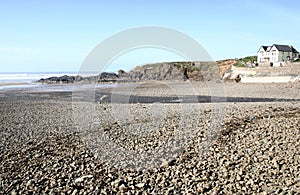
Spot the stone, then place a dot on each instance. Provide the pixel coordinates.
(140, 185)
(13, 192)
(123, 188)
(164, 164)
(81, 179)
(61, 162)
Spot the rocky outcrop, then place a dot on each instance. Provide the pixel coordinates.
(103, 77)
(108, 76)
(160, 71)
(62, 79)
(200, 71)
(195, 71)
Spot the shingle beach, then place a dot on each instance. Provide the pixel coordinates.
(167, 139)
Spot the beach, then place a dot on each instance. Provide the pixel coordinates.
(151, 138)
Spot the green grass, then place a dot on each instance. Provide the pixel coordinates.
(242, 62)
(189, 65)
(239, 64)
(249, 58)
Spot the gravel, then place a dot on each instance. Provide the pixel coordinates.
(253, 148)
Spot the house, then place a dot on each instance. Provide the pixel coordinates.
(276, 54)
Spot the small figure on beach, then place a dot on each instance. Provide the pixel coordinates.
(185, 74)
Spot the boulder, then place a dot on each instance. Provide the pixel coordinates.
(108, 76)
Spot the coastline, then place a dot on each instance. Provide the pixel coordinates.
(25, 79)
(12, 83)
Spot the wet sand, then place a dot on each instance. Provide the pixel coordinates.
(15, 83)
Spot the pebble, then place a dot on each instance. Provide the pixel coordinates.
(243, 159)
(140, 185)
(164, 164)
(122, 188)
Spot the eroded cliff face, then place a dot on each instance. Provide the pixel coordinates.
(196, 71)
(159, 71)
(225, 65)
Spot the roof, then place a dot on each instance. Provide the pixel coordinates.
(294, 50)
(265, 47)
(284, 48)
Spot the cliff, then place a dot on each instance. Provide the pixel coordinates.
(195, 71)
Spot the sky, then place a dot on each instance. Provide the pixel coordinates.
(57, 36)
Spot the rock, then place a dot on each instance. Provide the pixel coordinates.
(103, 77)
(62, 79)
(164, 164)
(56, 79)
(78, 78)
(75, 192)
(255, 157)
(123, 188)
(106, 76)
(172, 162)
(140, 185)
(251, 118)
(158, 71)
(81, 179)
(121, 72)
(29, 183)
(13, 192)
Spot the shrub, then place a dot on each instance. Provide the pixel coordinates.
(239, 64)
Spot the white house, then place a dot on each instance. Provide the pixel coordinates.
(276, 54)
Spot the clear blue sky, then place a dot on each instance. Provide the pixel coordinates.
(41, 36)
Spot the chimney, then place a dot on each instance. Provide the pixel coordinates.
(291, 46)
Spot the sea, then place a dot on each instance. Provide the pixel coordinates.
(28, 81)
(25, 79)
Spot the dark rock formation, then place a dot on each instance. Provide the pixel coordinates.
(103, 77)
(108, 76)
(62, 79)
